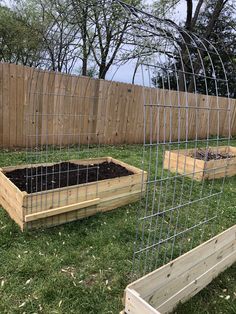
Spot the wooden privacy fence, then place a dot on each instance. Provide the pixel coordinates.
(39, 107)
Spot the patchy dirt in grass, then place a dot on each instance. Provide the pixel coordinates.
(64, 174)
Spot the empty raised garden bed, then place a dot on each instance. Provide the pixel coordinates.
(161, 291)
(53, 200)
(199, 164)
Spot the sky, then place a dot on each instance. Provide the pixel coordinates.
(125, 73)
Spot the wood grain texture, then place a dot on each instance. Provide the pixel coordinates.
(54, 108)
(58, 206)
(12, 199)
(61, 210)
(181, 162)
(185, 276)
(136, 305)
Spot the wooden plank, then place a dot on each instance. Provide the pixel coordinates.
(104, 205)
(20, 99)
(233, 118)
(60, 210)
(185, 165)
(13, 106)
(26, 107)
(12, 199)
(179, 163)
(11, 210)
(185, 276)
(134, 304)
(6, 106)
(182, 157)
(198, 284)
(7, 185)
(119, 200)
(176, 284)
(62, 218)
(74, 194)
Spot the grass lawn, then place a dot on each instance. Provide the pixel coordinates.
(84, 267)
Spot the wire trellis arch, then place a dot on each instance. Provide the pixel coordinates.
(182, 79)
(191, 66)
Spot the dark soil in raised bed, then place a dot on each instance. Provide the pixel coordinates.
(64, 174)
(208, 155)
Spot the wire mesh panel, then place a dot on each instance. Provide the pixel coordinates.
(186, 139)
(185, 114)
(64, 174)
(62, 127)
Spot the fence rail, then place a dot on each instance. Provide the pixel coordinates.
(54, 108)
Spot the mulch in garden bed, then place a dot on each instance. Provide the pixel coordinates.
(37, 179)
(208, 155)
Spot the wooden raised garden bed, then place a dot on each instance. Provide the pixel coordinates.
(55, 206)
(162, 290)
(202, 164)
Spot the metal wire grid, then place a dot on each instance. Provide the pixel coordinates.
(53, 102)
(176, 212)
(56, 133)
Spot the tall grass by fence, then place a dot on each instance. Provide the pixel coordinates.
(55, 108)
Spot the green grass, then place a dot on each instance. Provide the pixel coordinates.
(84, 267)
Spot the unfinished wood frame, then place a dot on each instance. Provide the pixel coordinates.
(180, 161)
(162, 290)
(36, 210)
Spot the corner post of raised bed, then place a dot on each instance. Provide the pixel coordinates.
(135, 304)
(25, 200)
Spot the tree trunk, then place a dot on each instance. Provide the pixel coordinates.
(135, 71)
(103, 68)
(217, 10)
(102, 72)
(85, 59)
